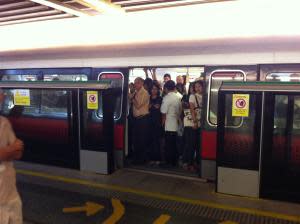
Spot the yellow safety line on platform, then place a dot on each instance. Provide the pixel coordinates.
(163, 219)
(250, 211)
(119, 211)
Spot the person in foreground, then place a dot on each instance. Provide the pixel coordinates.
(11, 149)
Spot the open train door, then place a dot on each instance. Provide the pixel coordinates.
(214, 76)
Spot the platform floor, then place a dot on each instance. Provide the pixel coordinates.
(62, 196)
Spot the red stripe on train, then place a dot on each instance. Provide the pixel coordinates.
(209, 144)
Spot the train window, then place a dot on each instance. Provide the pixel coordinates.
(215, 81)
(281, 102)
(9, 109)
(19, 78)
(117, 81)
(283, 77)
(62, 77)
(296, 120)
(190, 73)
(54, 103)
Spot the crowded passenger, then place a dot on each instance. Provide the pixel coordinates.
(171, 109)
(166, 126)
(140, 109)
(148, 85)
(130, 121)
(192, 124)
(155, 124)
(180, 86)
(188, 128)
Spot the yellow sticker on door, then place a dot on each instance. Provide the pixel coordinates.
(22, 97)
(92, 100)
(240, 105)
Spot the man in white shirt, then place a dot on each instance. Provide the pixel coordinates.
(171, 109)
(11, 148)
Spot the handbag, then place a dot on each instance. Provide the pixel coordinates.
(198, 111)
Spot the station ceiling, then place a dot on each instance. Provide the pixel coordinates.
(25, 11)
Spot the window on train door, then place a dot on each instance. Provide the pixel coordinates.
(117, 81)
(215, 80)
(54, 102)
(19, 78)
(283, 77)
(65, 77)
(8, 107)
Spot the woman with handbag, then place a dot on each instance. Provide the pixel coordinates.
(193, 130)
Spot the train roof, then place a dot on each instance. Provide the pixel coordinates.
(87, 85)
(260, 86)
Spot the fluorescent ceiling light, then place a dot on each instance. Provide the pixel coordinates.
(158, 5)
(101, 6)
(61, 7)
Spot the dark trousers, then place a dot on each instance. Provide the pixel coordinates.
(192, 146)
(141, 138)
(170, 148)
(155, 142)
(130, 136)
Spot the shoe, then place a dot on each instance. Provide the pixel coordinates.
(185, 166)
(192, 169)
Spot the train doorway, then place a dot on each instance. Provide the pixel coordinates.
(154, 79)
(281, 155)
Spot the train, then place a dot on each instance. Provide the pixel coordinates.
(214, 62)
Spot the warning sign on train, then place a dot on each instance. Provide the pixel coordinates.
(240, 105)
(22, 97)
(92, 100)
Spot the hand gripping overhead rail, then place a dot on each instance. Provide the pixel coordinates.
(94, 152)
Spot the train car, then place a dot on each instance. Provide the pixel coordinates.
(212, 62)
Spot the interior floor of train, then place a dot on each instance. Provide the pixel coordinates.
(59, 195)
(162, 168)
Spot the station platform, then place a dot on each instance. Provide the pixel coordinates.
(62, 196)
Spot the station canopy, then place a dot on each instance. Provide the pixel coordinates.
(24, 11)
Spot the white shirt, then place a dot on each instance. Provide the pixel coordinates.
(8, 190)
(171, 106)
(178, 94)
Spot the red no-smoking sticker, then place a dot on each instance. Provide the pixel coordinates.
(240, 105)
(92, 100)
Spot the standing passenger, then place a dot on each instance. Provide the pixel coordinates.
(180, 86)
(167, 77)
(130, 122)
(11, 148)
(140, 110)
(155, 123)
(148, 85)
(171, 108)
(188, 133)
(195, 101)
